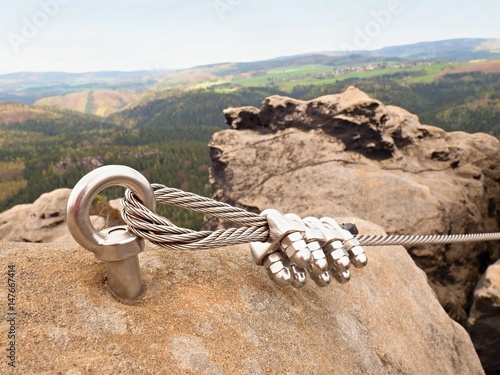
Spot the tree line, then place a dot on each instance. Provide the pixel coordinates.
(166, 138)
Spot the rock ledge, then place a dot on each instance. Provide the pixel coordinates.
(215, 312)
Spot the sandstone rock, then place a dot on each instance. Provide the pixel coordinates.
(347, 154)
(42, 221)
(352, 117)
(242, 118)
(11, 221)
(115, 204)
(86, 163)
(484, 319)
(215, 312)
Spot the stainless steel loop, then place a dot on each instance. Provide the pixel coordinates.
(78, 220)
(116, 246)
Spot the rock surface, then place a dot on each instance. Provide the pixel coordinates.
(347, 154)
(42, 221)
(215, 312)
(484, 319)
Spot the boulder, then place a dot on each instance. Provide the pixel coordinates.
(347, 154)
(484, 319)
(215, 312)
(352, 117)
(42, 221)
(242, 118)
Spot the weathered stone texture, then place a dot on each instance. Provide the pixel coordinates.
(42, 221)
(215, 312)
(484, 320)
(347, 154)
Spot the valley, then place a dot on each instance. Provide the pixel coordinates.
(55, 127)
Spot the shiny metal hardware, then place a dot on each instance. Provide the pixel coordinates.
(286, 255)
(116, 246)
(290, 236)
(356, 253)
(322, 280)
(278, 267)
(318, 269)
(341, 277)
(299, 276)
(331, 242)
(298, 246)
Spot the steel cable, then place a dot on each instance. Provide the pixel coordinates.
(402, 239)
(147, 224)
(253, 228)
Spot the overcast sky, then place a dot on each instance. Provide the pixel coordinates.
(92, 35)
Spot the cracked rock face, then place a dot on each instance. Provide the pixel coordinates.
(350, 155)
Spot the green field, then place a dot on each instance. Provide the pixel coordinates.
(432, 71)
(289, 77)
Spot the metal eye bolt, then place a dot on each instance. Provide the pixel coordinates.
(116, 246)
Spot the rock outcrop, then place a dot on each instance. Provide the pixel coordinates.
(42, 221)
(484, 319)
(350, 155)
(215, 312)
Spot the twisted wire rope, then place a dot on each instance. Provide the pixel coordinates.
(402, 239)
(253, 228)
(149, 225)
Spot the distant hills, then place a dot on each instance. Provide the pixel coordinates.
(446, 50)
(98, 102)
(28, 87)
(129, 94)
(54, 87)
(160, 122)
(15, 112)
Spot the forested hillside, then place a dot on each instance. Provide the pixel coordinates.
(165, 133)
(466, 101)
(462, 101)
(34, 162)
(96, 102)
(197, 107)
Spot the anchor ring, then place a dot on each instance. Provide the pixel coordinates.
(123, 244)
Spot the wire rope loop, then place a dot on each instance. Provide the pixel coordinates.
(147, 224)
